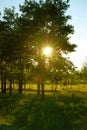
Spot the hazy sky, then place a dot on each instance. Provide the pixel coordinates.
(78, 11)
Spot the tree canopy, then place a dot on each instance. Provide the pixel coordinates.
(24, 34)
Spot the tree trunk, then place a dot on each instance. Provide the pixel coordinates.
(2, 80)
(55, 87)
(4, 87)
(10, 88)
(21, 69)
(20, 86)
(38, 88)
(42, 89)
(52, 86)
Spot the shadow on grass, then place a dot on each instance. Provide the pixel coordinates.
(8, 127)
(60, 112)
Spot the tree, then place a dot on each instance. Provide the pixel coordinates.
(8, 45)
(50, 26)
(40, 24)
(3, 34)
(84, 71)
(14, 50)
(60, 70)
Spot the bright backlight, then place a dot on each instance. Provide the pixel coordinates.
(47, 51)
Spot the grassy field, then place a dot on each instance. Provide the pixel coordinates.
(65, 109)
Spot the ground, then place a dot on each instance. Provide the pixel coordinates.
(61, 110)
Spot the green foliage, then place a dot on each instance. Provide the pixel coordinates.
(22, 37)
(9, 17)
(48, 18)
(83, 72)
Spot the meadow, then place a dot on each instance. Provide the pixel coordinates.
(63, 109)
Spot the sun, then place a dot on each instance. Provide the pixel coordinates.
(47, 51)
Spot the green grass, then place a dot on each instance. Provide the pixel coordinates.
(58, 111)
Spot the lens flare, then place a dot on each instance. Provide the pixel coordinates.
(47, 51)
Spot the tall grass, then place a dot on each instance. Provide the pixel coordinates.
(58, 111)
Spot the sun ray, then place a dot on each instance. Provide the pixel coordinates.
(47, 51)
